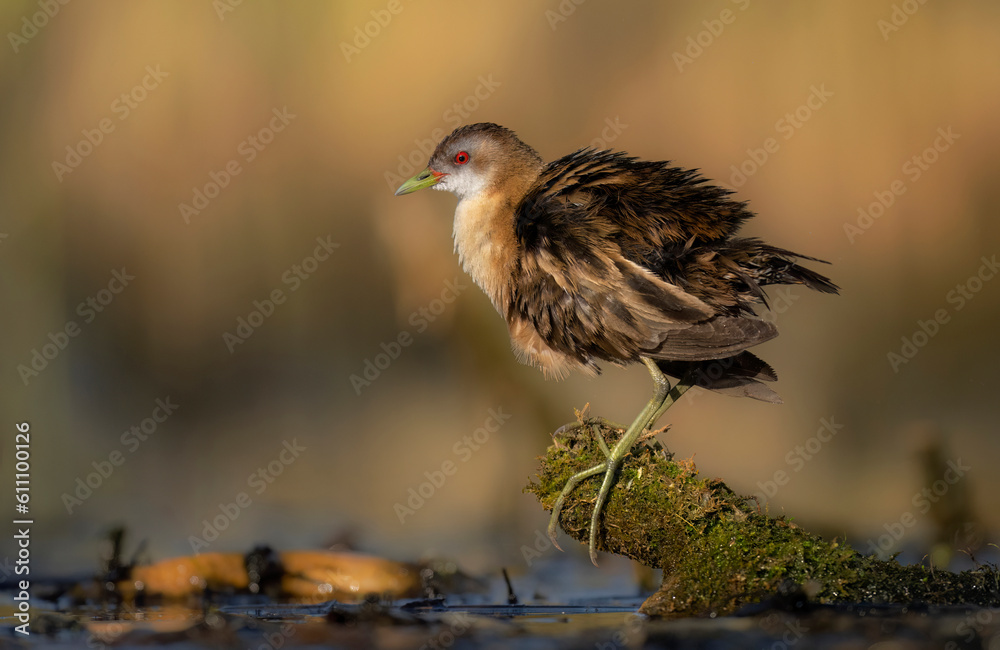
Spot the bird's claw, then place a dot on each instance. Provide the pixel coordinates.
(553, 534)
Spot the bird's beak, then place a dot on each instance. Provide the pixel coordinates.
(426, 178)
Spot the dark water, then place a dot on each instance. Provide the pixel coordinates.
(562, 603)
(603, 624)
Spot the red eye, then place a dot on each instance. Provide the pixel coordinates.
(461, 158)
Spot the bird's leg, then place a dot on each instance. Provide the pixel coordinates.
(650, 414)
(662, 399)
(679, 389)
(570, 484)
(587, 473)
(601, 442)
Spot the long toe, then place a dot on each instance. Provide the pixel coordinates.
(602, 498)
(570, 485)
(554, 529)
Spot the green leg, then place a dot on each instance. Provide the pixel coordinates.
(662, 399)
(570, 484)
(672, 396)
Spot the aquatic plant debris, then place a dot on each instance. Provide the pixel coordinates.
(717, 550)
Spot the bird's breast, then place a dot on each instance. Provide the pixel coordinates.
(487, 246)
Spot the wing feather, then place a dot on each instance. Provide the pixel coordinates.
(622, 258)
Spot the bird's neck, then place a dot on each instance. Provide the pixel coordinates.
(486, 243)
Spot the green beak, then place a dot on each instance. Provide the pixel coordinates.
(426, 178)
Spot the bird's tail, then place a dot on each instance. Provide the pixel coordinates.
(777, 266)
(741, 375)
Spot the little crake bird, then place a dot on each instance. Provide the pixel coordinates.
(598, 256)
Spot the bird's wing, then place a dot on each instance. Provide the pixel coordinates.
(651, 205)
(583, 291)
(586, 300)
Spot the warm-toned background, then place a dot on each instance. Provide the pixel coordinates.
(563, 75)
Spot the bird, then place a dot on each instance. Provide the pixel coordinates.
(601, 257)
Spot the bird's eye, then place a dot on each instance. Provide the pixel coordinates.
(461, 158)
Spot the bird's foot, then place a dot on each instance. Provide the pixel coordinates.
(609, 467)
(615, 458)
(663, 397)
(570, 485)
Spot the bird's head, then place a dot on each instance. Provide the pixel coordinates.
(474, 158)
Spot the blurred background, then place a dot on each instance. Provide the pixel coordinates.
(224, 329)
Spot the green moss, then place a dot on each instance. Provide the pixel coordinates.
(716, 549)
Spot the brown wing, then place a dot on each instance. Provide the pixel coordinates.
(622, 258)
(651, 204)
(586, 227)
(586, 300)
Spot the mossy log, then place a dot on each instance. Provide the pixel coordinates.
(718, 551)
